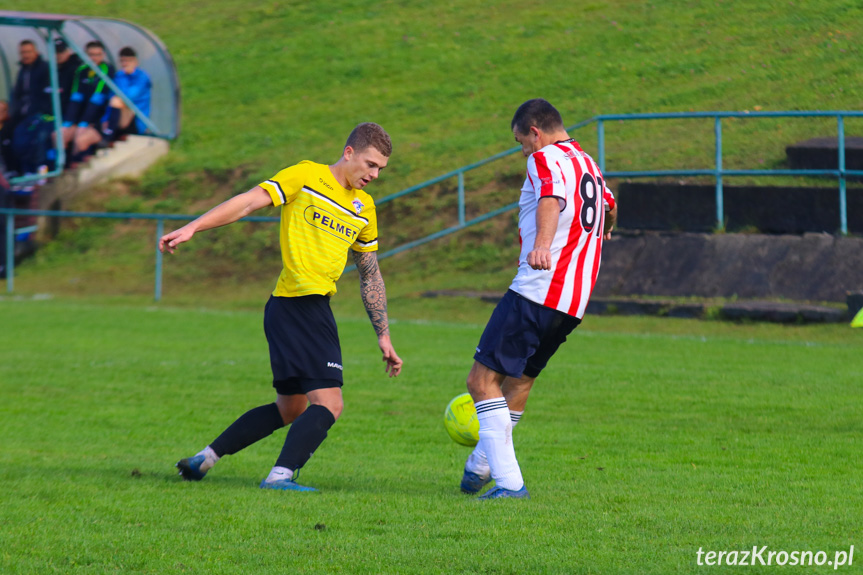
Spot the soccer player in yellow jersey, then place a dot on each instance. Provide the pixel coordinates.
(325, 213)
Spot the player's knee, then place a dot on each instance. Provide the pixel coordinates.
(335, 408)
(290, 412)
(477, 381)
(472, 384)
(329, 397)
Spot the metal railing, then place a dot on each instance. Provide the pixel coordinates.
(462, 223)
(160, 231)
(718, 172)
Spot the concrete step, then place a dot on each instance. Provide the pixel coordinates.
(129, 158)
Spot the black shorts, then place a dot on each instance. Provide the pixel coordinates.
(304, 344)
(521, 336)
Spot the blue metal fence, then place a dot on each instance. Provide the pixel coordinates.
(718, 172)
(160, 231)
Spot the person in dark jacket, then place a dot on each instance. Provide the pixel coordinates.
(4, 202)
(68, 63)
(8, 163)
(30, 109)
(32, 92)
(88, 100)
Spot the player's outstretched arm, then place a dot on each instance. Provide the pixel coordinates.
(225, 213)
(374, 296)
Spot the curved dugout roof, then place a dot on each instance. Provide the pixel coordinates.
(153, 56)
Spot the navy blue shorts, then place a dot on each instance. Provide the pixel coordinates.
(304, 344)
(521, 336)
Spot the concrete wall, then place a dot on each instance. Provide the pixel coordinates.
(808, 267)
(771, 210)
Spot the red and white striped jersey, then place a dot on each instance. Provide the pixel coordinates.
(564, 171)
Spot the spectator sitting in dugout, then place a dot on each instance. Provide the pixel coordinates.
(31, 94)
(6, 158)
(135, 84)
(4, 202)
(68, 63)
(87, 104)
(31, 100)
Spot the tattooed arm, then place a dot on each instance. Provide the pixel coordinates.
(374, 296)
(372, 290)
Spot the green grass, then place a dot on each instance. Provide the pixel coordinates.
(644, 440)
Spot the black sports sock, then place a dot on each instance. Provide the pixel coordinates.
(113, 121)
(306, 434)
(250, 427)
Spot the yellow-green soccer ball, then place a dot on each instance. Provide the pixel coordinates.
(460, 420)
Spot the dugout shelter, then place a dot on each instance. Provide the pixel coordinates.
(76, 32)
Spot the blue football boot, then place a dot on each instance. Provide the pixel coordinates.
(285, 485)
(190, 468)
(471, 482)
(500, 492)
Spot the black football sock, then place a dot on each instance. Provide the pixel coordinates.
(113, 121)
(250, 427)
(307, 433)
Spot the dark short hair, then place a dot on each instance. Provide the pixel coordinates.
(26, 43)
(128, 52)
(539, 113)
(368, 135)
(94, 44)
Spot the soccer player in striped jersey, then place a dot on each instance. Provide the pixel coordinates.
(565, 212)
(324, 214)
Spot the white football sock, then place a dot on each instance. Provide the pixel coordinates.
(210, 458)
(477, 462)
(279, 473)
(495, 439)
(515, 416)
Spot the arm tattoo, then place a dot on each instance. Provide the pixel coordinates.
(372, 290)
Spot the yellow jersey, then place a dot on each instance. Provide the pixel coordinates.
(320, 222)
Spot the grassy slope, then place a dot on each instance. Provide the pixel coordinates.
(266, 85)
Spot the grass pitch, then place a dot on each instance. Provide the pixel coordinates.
(645, 440)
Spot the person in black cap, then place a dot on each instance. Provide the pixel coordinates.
(67, 63)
